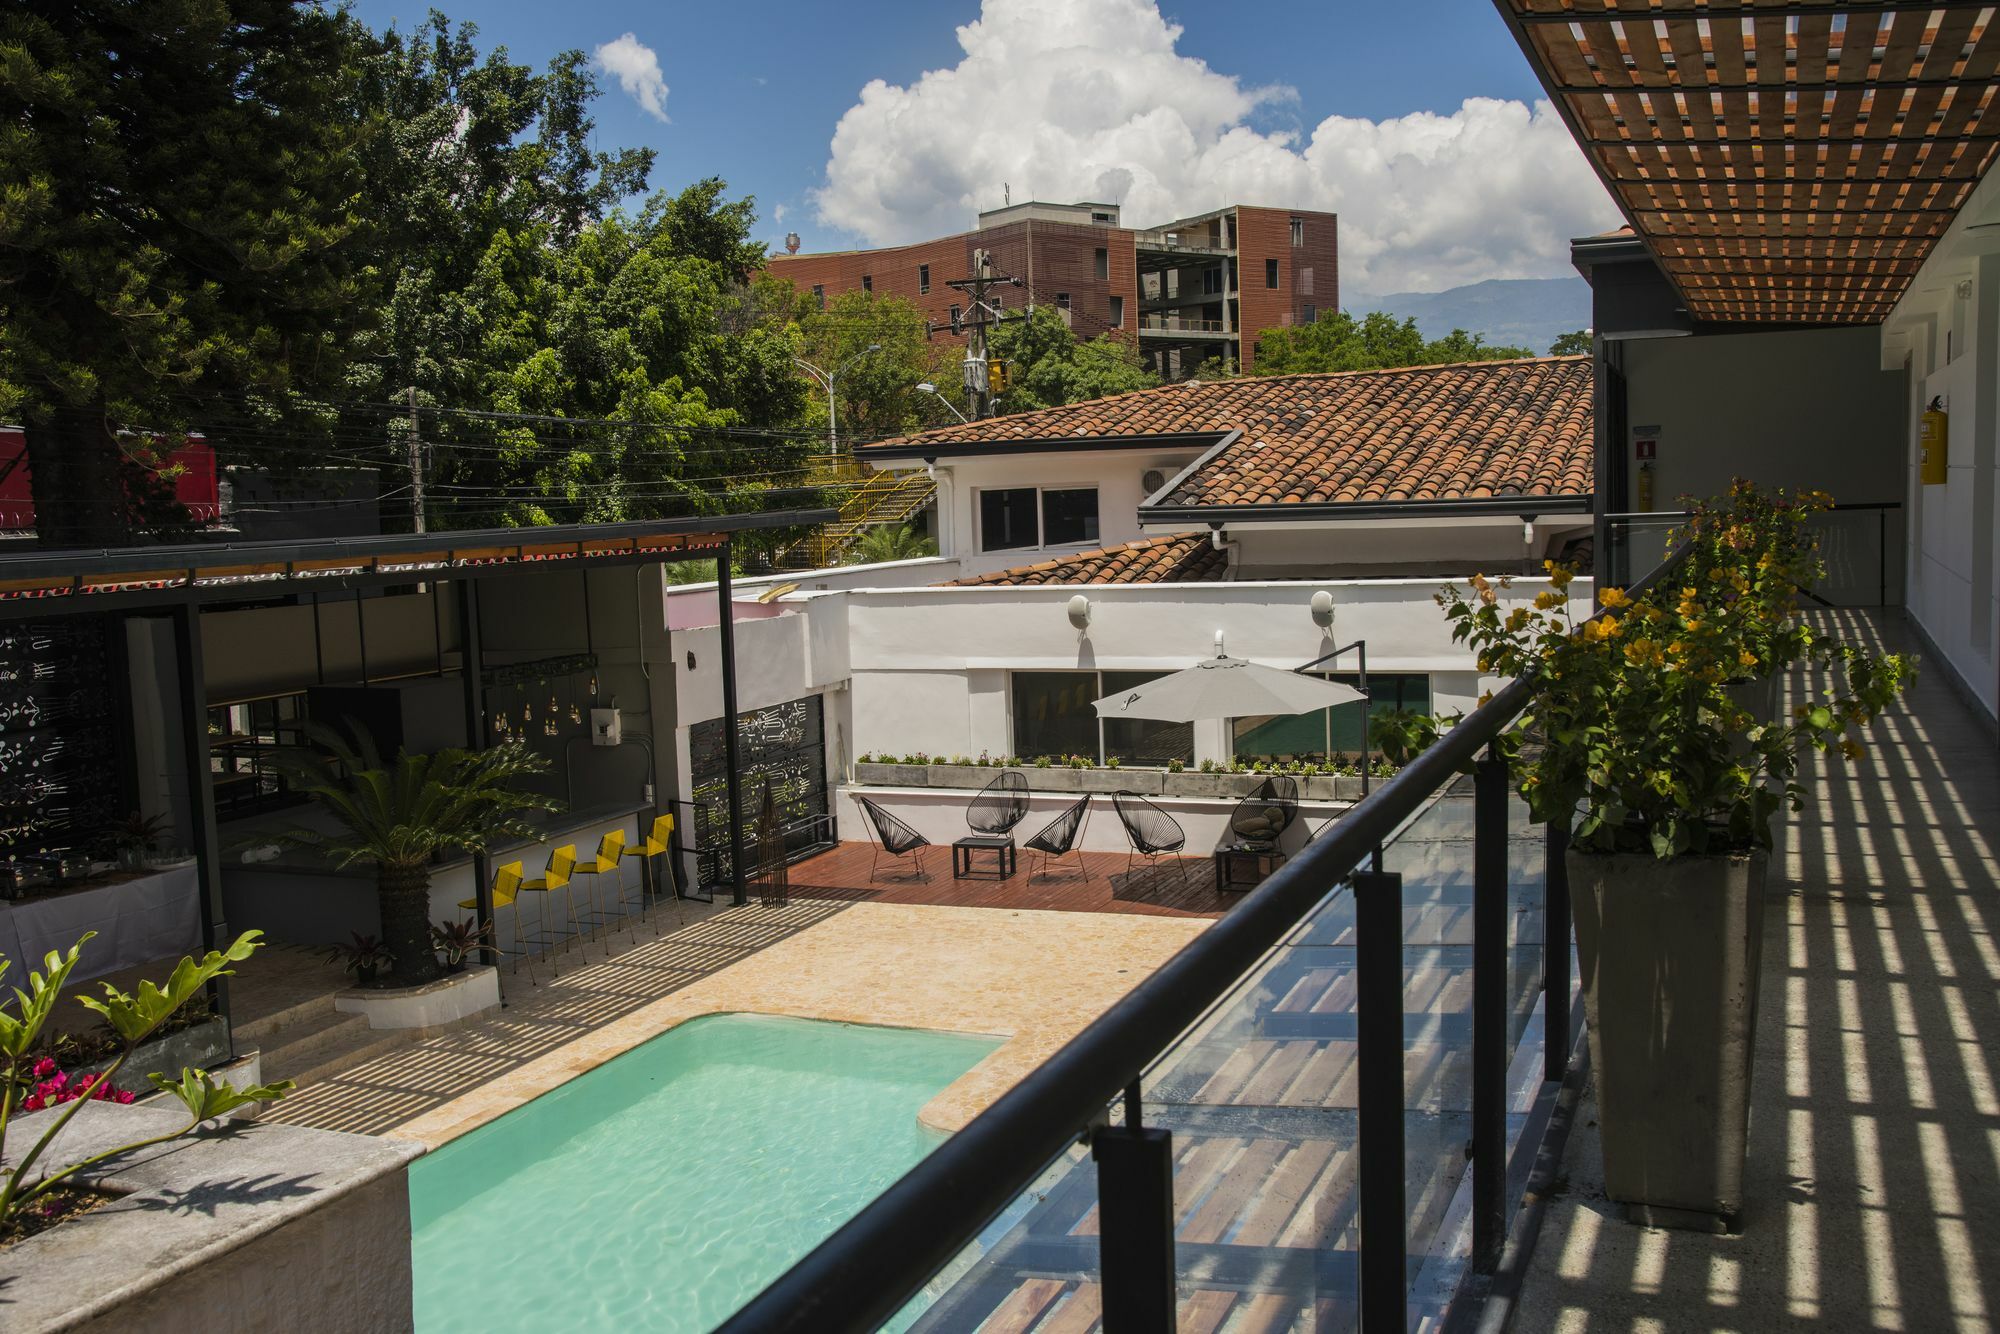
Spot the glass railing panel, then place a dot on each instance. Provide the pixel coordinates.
(1862, 550)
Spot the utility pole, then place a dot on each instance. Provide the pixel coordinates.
(416, 468)
(978, 371)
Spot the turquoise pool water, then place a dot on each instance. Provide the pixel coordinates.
(664, 1189)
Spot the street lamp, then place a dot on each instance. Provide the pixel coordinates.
(926, 387)
(826, 380)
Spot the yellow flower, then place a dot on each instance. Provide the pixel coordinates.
(1516, 619)
(1545, 601)
(1745, 658)
(1852, 749)
(1615, 598)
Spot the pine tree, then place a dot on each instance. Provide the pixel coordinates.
(176, 206)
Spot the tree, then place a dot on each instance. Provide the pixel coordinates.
(1048, 366)
(891, 542)
(179, 181)
(1571, 344)
(1340, 342)
(397, 817)
(877, 391)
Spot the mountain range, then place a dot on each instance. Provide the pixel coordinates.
(1517, 312)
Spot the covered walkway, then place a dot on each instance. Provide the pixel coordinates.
(1874, 1176)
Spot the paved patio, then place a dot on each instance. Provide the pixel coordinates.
(1874, 1171)
(1083, 882)
(1033, 977)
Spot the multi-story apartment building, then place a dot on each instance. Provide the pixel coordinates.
(1192, 290)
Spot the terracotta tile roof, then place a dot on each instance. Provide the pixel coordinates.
(1184, 558)
(1479, 429)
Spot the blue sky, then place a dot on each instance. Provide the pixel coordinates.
(755, 95)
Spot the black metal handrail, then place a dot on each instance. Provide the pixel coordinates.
(1630, 521)
(867, 1271)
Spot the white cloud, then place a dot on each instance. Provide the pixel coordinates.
(1091, 99)
(637, 68)
(778, 213)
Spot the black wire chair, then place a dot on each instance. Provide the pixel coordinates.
(1000, 805)
(1060, 837)
(1261, 818)
(1151, 831)
(893, 837)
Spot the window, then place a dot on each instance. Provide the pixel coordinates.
(923, 278)
(1308, 313)
(1007, 519)
(867, 282)
(1052, 716)
(1298, 231)
(1101, 217)
(1271, 273)
(1211, 282)
(1103, 263)
(1305, 282)
(1069, 516)
(954, 319)
(1062, 300)
(819, 295)
(1117, 312)
(1329, 732)
(998, 302)
(1015, 518)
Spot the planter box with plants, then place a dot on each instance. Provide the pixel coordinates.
(1652, 752)
(1332, 782)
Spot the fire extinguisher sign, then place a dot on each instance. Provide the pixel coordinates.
(1645, 443)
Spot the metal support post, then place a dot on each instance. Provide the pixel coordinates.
(207, 847)
(1555, 955)
(1135, 1208)
(472, 671)
(1378, 998)
(1489, 1011)
(739, 892)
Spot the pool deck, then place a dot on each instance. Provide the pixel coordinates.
(1033, 976)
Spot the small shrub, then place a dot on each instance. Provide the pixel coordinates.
(1112, 762)
(1208, 766)
(1078, 762)
(939, 759)
(1175, 767)
(1043, 762)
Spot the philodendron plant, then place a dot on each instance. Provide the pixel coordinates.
(133, 1017)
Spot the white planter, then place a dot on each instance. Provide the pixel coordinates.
(308, 1230)
(434, 1005)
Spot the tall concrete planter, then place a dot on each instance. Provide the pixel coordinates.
(1671, 955)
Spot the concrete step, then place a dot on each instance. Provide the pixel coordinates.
(322, 1044)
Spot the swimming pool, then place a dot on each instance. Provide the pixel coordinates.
(667, 1187)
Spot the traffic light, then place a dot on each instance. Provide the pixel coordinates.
(996, 377)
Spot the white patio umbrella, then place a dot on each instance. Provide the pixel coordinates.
(1225, 687)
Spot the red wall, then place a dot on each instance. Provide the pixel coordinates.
(195, 488)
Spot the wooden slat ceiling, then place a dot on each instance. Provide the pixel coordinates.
(1787, 161)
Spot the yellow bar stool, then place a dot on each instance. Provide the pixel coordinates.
(507, 894)
(658, 842)
(610, 860)
(562, 864)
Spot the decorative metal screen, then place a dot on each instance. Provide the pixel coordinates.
(785, 745)
(59, 728)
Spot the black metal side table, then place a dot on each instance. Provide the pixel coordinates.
(1000, 845)
(1231, 860)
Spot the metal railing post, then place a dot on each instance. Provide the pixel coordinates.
(1378, 1000)
(1489, 1011)
(1555, 954)
(1135, 1210)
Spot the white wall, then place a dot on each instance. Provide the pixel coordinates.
(1946, 330)
(692, 605)
(1797, 408)
(929, 666)
(1388, 547)
(1115, 473)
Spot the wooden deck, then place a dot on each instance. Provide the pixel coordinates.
(1183, 887)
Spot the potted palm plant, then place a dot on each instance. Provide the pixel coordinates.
(1669, 786)
(398, 816)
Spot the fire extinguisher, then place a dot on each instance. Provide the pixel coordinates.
(1645, 487)
(1934, 439)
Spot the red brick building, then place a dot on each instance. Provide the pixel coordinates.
(1191, 290)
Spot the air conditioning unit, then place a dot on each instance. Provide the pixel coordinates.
(1152, 481)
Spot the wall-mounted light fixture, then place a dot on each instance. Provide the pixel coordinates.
(690, 659)
(1079, 612)
(1322, 609)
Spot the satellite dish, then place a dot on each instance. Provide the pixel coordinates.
(1154, 479)
(791, 243)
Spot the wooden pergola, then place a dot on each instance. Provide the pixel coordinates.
(1787, 162)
